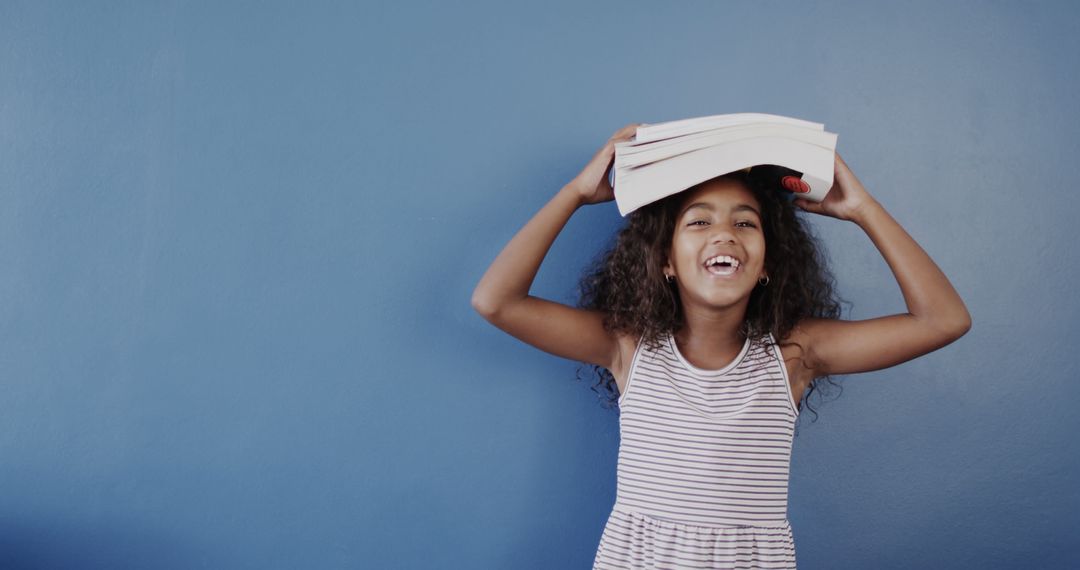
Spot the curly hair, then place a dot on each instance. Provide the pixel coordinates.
(643, 304)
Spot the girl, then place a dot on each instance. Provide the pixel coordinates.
(713, 315)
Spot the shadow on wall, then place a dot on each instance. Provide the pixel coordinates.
(109, 544)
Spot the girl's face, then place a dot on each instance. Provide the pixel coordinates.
(720, 218)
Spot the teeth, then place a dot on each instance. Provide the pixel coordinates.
(721, 258)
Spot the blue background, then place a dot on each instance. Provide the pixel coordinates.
(239, 242)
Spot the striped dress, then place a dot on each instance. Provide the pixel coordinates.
(703, 463)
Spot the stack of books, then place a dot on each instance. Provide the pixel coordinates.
(665, 158)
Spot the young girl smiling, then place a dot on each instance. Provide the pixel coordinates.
(712, 316)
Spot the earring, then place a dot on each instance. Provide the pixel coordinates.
(670, 278)
(763, 283)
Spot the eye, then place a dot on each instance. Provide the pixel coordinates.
(747, 222)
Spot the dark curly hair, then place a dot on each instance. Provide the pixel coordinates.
(649, 307)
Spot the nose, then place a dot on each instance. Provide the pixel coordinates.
(722, 234)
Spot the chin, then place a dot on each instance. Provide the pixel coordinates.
(726, 299)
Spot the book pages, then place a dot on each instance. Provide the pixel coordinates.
(670, 129)
(672, 157)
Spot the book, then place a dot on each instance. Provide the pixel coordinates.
(666, 158)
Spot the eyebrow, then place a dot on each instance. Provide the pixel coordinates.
(738, 207)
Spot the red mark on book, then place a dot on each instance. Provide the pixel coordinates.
(795, 184)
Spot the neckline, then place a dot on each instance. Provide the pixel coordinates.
(704, 371)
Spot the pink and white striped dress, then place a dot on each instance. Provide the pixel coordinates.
(703, 464)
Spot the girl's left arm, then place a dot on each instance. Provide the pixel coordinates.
(936, 315)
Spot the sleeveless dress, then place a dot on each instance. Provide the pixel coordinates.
(703, 463)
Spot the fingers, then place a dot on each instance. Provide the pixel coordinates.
(626, 132)
(808, 205)
(840, 164)
(608, 150)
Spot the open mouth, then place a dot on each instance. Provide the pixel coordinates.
(722, 265)
(722, 270)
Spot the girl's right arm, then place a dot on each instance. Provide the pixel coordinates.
(502, 296)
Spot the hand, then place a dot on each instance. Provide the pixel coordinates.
(846, 199)
(592, 183)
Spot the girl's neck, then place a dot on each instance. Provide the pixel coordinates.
(711, 334)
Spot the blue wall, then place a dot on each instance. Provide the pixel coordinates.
(239, 241)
